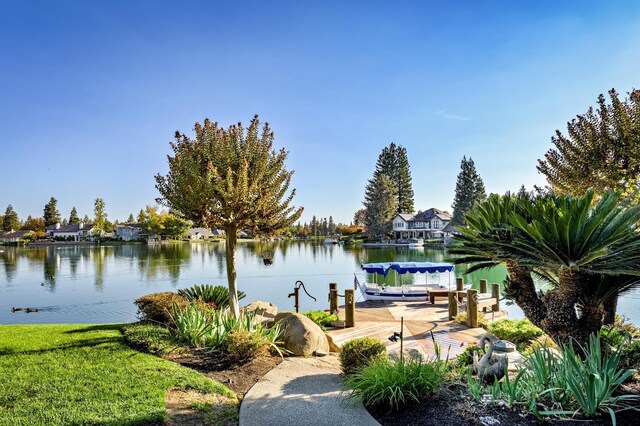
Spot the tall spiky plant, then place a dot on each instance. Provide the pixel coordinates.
(589, 252)
(231, 179)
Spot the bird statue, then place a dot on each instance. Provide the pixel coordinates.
(490, 368)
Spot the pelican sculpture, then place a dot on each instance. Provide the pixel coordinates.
(490, 368)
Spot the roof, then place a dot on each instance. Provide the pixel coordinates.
(203, 231)
(430, 214)
(15, 234)
(73, 228)
(406, 216)
(449, 228)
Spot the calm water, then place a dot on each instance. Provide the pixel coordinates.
(84, 284)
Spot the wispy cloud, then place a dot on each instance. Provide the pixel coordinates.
(443, 113)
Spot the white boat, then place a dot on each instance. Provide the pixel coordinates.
(330, 241)
(438, 276)
(416, 243)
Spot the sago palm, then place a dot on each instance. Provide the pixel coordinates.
(589, 251)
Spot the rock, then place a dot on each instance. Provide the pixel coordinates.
(332, 345)
(489, 421)
(265, 311)
(302, 336)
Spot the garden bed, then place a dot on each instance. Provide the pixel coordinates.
(453, 408)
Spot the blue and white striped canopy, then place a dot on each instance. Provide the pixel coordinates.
(406, 267)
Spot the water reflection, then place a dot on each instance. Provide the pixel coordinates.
(69, 277)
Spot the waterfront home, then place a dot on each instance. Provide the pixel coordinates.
(71, 232)
(199, 233)
(14, 236)
(428, 224)
(448, 232)
(130, 232)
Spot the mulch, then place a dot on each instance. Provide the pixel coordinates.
(238, 378)
(453, 408)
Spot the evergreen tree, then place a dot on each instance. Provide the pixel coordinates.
(601, 150)
(10, 221)
(469, 190)
(51, 213)
(65, 222)
(73, 217)
(314, 226)
(86, 220)
(141, 216)
(100, 216)
(380, 204)
(230, 178)
(131, 218)
(358, 217)
(332, 226)
(394, 162)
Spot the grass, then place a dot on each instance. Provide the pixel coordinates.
(86, 374)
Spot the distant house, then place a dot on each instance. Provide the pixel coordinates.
(130, 232)
(14, 236)
(428, 224)
(199, 233)
(79, 232)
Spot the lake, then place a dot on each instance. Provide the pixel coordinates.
(98, 284)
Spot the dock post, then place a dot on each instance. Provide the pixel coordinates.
(459, 284)
(495, 293)
(453, 305)
(333, 299)
(349, 308)
(483, 290)
(472, 308)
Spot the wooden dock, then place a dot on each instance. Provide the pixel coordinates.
(422, 320)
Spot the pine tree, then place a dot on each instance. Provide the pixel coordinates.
(380, 204)
(394, 162)
(230, 178)
(131, 218)
(65, 222)
(73, 217)
(10, 221)
(332, 226)
(601, 150)
(51, 213)
(86, 220)
(469, 190)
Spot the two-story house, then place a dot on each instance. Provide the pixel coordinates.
(428, 224)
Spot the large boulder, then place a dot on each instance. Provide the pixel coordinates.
(302, 336)
(265, 312)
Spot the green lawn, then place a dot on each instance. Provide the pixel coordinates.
(85, 374)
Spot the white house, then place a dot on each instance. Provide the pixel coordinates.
(79, 232)
(14, 236)
(130, 232)
(428, 224)
(199, 233)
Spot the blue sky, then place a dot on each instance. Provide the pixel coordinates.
(92, 92)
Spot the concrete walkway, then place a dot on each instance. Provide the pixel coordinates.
(301, 392)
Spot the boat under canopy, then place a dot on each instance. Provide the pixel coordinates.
(412, 292)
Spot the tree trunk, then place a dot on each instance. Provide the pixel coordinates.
(232, 242)
(610, 307)
(524, 293)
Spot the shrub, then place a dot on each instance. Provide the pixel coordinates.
(358, 353)
(209, 294)
(193, 325)
(519, 332)
(323, 319)
(619, 333)
(543, 341)
(244, 346)
(461, 318)
(466, 357)
(394, 384)
(148, 337)
(630, 356)
(159, 306)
